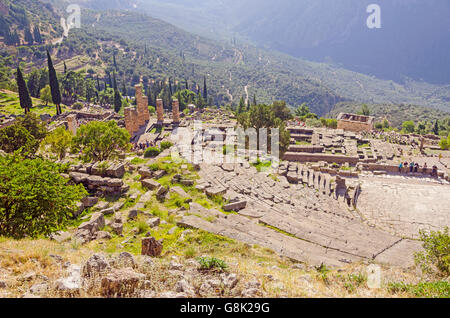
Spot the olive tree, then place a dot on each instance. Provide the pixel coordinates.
(99, 141)
(34, 198)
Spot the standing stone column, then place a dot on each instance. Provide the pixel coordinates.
(160, 111)
(72, 124)
(176, 111)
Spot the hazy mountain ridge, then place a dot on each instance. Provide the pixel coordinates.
(413, 41)
(229, 68)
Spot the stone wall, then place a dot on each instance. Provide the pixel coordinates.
(316, 157)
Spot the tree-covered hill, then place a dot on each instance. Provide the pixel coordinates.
(138, 46)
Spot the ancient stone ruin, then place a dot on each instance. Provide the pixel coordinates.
(136, 118)
(355, 123)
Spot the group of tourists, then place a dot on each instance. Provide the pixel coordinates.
(143, 146)
(414, 168)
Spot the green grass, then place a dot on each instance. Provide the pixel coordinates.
(262, 165)
(10, 105)
(439, 289)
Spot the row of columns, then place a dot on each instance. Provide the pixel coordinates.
(175, 111)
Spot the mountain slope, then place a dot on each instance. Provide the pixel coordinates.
(413, 42)
(154, 50)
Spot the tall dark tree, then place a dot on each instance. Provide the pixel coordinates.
(24, 96)
(65, 68)
(54, 85)
(28, 36)
(436, 128)
(37, 35)
(114, 61)
(254, 100)
(205, 89)
(186, 83)
(117, 96)
(109, 80)
(98, 84)
(124, 88)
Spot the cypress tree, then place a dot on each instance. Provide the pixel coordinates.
(24, 96)
(254, 100)
(124, 88)
(28, 36)
(205, 89)
(109, 80)
(65, 68)
(98, 84)
(186, 83)
(436, 128)
(54, 85)
(117, 96)
(37, 35)
(114, 81)
(170, 87)
(114, 59)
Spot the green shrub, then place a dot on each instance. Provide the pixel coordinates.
(15, 137)
(212, 263)
(100, 141)
(152, 152)
(436, 256)
(166, 145)
(34, 198)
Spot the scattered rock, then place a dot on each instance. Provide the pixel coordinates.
(159, 174)
(125, 259)
(72, 283)
(101, 235)
(39, 288)
(183, 286)
(117, 228)
(298, 266)
(28, 277)
(60, 236)
(154, 222)
(95, 265)
(150, 184)
(175, 266)
(102, 205)
(236, 206)
(151, 247)
(179, 191)
(120, 282)
(171, 294)
(2, 284)
(249, 293)
(107, 211)
(161, 192)
(133, 214)
(229, 280)
(89, 202)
